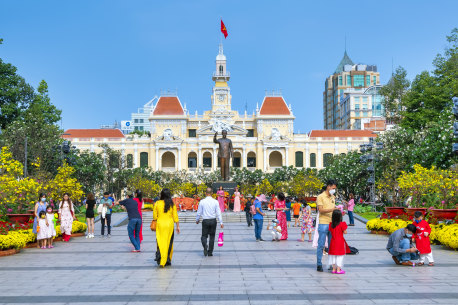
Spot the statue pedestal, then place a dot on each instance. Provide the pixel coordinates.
(228, 186)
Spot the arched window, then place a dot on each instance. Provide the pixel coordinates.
(192, 160)
(237, 159)
(312, 160)
(299, 159)
(221, 70)
(207, 159)
(327, 159)
(251, 159)
(130, 161)
(143, 159)
(168, 160)
(275, 159)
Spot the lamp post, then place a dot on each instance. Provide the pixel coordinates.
(370, 158)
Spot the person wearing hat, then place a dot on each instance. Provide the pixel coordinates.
(258, 218)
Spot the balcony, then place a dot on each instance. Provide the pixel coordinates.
(220, 75)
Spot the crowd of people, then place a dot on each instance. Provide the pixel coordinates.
(328, 228)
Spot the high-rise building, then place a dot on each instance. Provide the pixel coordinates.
(347, 75)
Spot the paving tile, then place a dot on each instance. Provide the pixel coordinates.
(104, 271)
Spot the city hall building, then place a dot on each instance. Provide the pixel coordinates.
(179, 140)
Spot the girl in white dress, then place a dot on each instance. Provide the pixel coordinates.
(66, 215)
(43, 231)
(52, 229)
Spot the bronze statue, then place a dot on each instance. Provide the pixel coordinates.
(225, 153)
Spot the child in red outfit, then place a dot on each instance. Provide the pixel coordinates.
(338, 245)
(422, 239)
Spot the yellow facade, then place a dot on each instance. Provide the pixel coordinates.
(263, 140)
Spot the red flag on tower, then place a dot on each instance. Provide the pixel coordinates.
(223, 29)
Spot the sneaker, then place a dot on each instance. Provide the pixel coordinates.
(210, 254)
(102, 236)
(261, 240)
(319, 268)
(340, 272)
(258, 240)
(109, 236)
(88, 236)
(205, 251)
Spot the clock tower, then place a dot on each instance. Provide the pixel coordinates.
(221, 97)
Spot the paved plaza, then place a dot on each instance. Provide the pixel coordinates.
(104, 271)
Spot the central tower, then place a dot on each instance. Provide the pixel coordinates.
(221, 97)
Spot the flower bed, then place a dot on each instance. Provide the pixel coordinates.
(444, 234)
(18, 239)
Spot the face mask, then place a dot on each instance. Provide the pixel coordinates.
(49, 211)
(42, 216)
(332, 192)
(43, 199)
(409, 235)
(417, 221)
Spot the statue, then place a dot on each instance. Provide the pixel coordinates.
(225, 153)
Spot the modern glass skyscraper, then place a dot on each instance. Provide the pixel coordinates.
(346, 76)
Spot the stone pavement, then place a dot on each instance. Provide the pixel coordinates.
(104, 271)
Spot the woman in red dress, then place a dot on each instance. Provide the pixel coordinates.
(139, 199)
(280, 207)
(338, 245)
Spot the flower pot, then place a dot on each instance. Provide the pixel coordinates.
(445, 214)
(19, 218)
(394, 211)
(411, 211)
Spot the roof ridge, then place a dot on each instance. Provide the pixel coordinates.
(346, 60)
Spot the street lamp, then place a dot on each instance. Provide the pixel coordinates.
(372, 147)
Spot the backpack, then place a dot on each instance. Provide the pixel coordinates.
(353, 251)
(253, 209)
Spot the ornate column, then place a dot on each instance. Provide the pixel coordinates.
(265, 159)
(214, 159)
(179, 159)
(136, 155)
(307, 153)
(286, 155)
(336, 148)
(157, 158)
(199, 158)
(244, 163)
(319, 157)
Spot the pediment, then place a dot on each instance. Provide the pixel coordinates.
(231, 130)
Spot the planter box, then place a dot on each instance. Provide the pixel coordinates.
(20, 218)
(446, 214)
(8, 252)
(394, 211)
(411, 211)
(380, 232)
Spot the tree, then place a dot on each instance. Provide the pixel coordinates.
(15, 94)
(393, 94)
(431, 94)
(90, 171)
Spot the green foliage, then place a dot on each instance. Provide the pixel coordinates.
(90, 171)
(348, 171)
(431, 94)
(362, 208)
(393, 93)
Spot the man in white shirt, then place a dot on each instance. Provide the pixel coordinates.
(209, 210)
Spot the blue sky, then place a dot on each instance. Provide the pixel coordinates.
(104, 59)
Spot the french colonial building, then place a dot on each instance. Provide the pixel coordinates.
(263, 140)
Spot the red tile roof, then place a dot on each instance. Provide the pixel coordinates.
(274, 105)
(93, 133)
(342, 134)
(168, 105)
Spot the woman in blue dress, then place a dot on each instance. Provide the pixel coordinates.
(288, 210)
(39, 206)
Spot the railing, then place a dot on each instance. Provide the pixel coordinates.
(219, 74)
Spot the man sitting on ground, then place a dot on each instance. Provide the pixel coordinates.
(400, 246)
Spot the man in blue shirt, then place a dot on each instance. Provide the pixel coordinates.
(209, 210)
(135, 221)
(258, 218)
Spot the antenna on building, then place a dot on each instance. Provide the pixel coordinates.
(345, 43)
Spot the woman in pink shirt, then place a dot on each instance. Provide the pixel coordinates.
(350, 206)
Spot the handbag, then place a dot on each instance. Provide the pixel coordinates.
(153, 225)
(221, 239)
